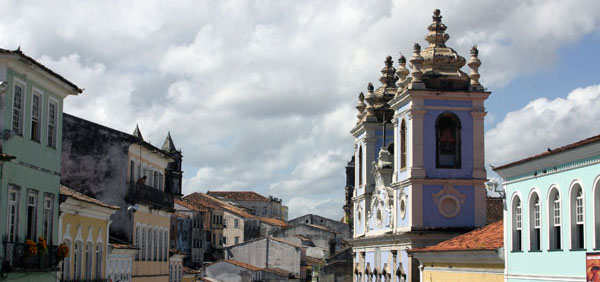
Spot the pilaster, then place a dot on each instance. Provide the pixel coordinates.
(416, 118)
(478, 144)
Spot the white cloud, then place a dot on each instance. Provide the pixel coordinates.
(543, 124)
(260, 94)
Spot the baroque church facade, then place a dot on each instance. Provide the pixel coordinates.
(419, 158)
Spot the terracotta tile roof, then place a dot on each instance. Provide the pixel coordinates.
(581, 143)
(278, 271)
(190, 206)
(39, 65)
(214, 203)
(286, 242)
(489, 237)
(64, 190)
(243, 264)
(273, 221)
(318, 227)
(313, 261)
(495, 209)
(239, 195)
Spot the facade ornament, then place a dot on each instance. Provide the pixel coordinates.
(415, 63)
(474, 64)
(370, 98)
(402, 72)
(360, 106)
(388, 74)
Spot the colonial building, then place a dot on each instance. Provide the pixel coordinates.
(258, 204)
(126, 171)
(349, 193)
(190, 229)
(119, 262)
(31, 118)
(341, 229)
(552, 216)
(474, 256)
(419, 151)
(84, 224)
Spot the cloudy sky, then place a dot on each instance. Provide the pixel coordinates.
(259, 95)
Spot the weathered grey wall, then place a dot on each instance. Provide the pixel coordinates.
(228, 272)
(268, 253)
(320, 237)
(338, 227)
(94, 162)
(181, 234)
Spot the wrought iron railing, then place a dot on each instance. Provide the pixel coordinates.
(18, 258)
(137, 192)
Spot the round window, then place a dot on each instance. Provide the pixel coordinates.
(448, 206)
(402, 208)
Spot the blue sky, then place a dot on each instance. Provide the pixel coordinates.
(260, 95)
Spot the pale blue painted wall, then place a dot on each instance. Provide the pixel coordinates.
(404, 222)
(561, 263)
(433, 218)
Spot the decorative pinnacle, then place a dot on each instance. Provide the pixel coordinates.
(370, 87)
(402, 72)
(437, 35)
(474, 51)
(388, 77)
(416, 62)
(360, 105)
(474, 64)
(437, 16)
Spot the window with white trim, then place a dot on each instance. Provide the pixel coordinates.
(18, 108)
(555, 220)
(403, 145)
(52, 121)
(577, 218)
(88, 260)
(13, 213)
(138, 242)
(517, 224)
(48, 217)
(36, 113)
(156, 246)
(32, 197)
(143, 244)
(66, 263)
(596, 202)
(534, 223)
(150, 244)
(77, 260)
(99, 260)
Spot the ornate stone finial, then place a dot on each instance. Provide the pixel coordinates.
(474, 64)
(437, 36)
(388, 77)
(402, 72)
(370, 98)
(416, 62)
(360, 105)
(168, 145)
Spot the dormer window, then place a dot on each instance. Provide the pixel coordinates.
(448, 143)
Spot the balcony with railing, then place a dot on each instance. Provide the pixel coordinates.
(141, 193)
(18, 258)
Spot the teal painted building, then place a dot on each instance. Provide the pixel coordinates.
(552, 213)
(31, 102)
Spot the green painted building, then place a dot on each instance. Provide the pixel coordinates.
(31, 103)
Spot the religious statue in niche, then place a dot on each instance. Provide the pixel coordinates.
(380, 213)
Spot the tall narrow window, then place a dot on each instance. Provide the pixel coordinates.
(448, 141)
(597, 212)
(13, 213)
(66, 265)
(156, 247)
(165, 245)
(150, 244)
(155, 181)
(577, 218)
(77, 253)
(403, 145)
(36, 109)
(555, 220)
(18, 102)
(517, 227)
(138, 242)
(534, 223)
(132, 172)
(52, 118)
(48, 217)
(31, 215)
(360, 166)
(99, 260)
(88, 260)
(143, 245)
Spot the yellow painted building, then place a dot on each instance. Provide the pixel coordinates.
(471, 257)
(84, 223)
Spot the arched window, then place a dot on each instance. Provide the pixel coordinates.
(517, 224)
(156, 245)
(88, 260)
(447, 128)
(66, 265)
(577, 218)
(150, 244)
(535, 222)
(144, 244)
(554, 220)
(165, 245)
(360, 166)
(99, 260)
(77, 260)
(597, 212)
(403, 145)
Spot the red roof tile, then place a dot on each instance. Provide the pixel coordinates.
(273, 221)
(64, 190)
(239, 195)
(489, 237)
(190, 206)
(278, 271)
(571, 146)
(214, 203)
